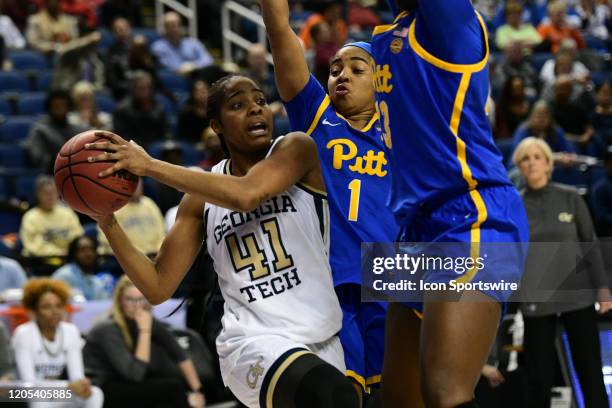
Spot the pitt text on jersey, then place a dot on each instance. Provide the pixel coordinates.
(382, 84)
(370, 163)
(248, 255)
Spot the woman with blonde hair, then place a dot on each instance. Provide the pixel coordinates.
(136, 360)
(86, 113)
(557, 213)
(48, 346)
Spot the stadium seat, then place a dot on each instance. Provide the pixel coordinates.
(539, 59)
(91, 230)
(505, 148)
(150, 34)
(173, 82)
(12, 156)
(169, 106)
(14, 82)
(105, 102)
(5, 188)
(29, 60)
(5, 107)
(16, 129)
(24, 187)
(107, 39)
(599, 77)
(32, 104)
(43, 81)
(191, 156)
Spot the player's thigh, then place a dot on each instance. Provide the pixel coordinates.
(456, 338)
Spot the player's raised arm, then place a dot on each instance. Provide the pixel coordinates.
(291, 71)
(158, 279)
(294, 159)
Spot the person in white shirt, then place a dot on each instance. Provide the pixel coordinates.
(13, 39)
(47, 346)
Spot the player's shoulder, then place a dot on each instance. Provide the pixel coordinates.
(24, 331)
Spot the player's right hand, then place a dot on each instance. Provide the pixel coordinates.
(81, 388)
(128, 155)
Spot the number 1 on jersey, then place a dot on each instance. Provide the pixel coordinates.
(355, 187)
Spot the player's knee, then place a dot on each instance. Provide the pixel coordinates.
(326, 387)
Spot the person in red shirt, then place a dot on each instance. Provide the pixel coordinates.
(556, 30)
(331, 13)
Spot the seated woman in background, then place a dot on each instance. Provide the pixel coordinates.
(136, 360)
(192, 121)
(541, 125)
(85, 112)
(602, 118)
(80, 271)
(513, 107)
(47, 347)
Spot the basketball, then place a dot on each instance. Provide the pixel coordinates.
(78, 183)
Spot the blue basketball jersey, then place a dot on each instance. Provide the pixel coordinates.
(433, 111)
(356, 174)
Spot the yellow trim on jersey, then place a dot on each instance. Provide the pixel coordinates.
(360, 380)
(418, 314)
(400, 15)
(279, 371)
(312, 190)
(467, 175)
(383, 28)
(324, 104)
(367, 127)
(375, 379)
(448, 66)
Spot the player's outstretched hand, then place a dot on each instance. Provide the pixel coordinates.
(127, 155)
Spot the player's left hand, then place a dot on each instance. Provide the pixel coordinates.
(128, 155)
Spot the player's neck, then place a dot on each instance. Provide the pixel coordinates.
(241, 163)
(361, 119)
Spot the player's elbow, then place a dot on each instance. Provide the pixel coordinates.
(247, 202)
(156, 298)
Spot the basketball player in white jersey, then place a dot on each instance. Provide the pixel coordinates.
(262, 216)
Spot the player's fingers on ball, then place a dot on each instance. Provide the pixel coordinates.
(113, 169)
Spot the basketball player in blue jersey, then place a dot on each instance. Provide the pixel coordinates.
(345, 128)
(448, 185)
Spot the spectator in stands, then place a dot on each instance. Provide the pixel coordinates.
(564, 63)
(192, 120)
(110, 10)
(513, 107)
(259, 69)
(136, 360)
(80, 63)
(541, 125)
(6, 360)
(601, 200)
(558, 213)
(361, 18)
(143, 223)
(331, 13)
(175, 52)
(324, 50)
(595, 18)
(515, 64)
(515, 30)
(48, 346)
(47, 229)
(140, 117)
(602, 117)
(13, 39)
(117, 59)
(12, 275)
(574, 117)
(49, 133)
(80, 271)
(557, 29)
(214, 150)
(85, 113)
(50, 30)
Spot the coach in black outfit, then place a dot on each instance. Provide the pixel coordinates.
(557, 213)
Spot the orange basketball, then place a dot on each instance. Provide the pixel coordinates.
(78, 183)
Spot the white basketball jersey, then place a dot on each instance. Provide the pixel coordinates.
(273, 268)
